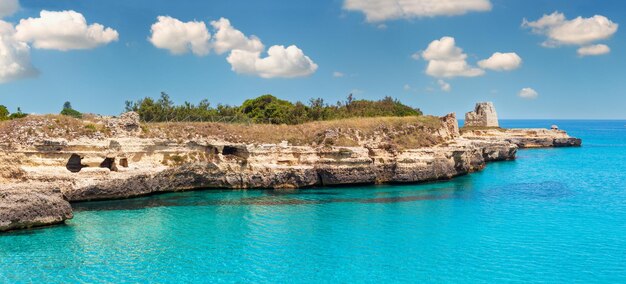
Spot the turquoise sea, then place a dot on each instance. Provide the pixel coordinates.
(553, 215)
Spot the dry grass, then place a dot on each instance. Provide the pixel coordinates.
(472, 128)
(401, 132)
(53, 126)
(350, 131)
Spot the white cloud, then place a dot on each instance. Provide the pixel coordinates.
(8, 7)
(446, 60)
(281, 62)
(381, 10)
(228, 38)
(578, 31)
(63, 31)
(406, 87)
(15, 60)
(528, 93)
(444, 86)
(179, 38)
(338, 74)
(245, 52)
(416, 55)
(596, 49)
(501, 62)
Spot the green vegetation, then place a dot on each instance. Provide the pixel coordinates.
(6, 115)
(91, 127)
(69, 111)
(267, 109)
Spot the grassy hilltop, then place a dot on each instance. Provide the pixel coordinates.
(265, 119)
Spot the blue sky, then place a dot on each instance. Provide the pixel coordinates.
(374, 56)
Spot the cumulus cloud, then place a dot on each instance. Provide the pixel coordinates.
(15, 60)
(579, 31)
(8, 7)
(381, 10)
(501, 62)
(338, 74)
(245, 51)
(180, 38)
(228, 38)
(281, 62)
(64, 30)
(528, 93)
(446, 60)
(596, 49)
(444, 86)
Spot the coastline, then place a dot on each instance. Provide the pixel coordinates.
(142, 166)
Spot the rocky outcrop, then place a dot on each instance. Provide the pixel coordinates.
(23, 207)
(484, 115)
(128, 124)
(524, 138)
(38, 177)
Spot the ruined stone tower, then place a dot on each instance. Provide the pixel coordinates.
(484, 115)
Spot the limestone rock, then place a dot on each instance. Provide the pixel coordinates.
(484, 115)
(36, 179)
(524, 138)
(32, 206)
(127, 124)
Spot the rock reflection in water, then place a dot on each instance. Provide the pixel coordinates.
(269, 198)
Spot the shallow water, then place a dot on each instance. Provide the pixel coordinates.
(553, 215)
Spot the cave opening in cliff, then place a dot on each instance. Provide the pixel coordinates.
(109, 163)
(74, 164)
(124, 162)
(229, 150)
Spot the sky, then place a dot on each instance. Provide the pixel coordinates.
(544, 59)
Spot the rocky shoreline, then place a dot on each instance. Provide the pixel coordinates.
(41, 178)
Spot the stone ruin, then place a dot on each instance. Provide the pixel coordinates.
(484, 115)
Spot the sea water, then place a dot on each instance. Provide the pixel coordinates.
(553, 215)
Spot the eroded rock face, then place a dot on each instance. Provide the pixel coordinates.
(127, 166)
(24, 207)
(484, 115)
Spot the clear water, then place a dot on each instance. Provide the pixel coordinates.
(554, 215)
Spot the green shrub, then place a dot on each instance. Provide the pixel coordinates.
(18, 114)
(72, 113)
(267, 109)
(91, 127)
(4, 113)
(69, 111)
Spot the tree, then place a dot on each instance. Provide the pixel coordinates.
(267, 109)
(4, 113)
(69, 111)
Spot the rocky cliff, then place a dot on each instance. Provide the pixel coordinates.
(116, 158)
